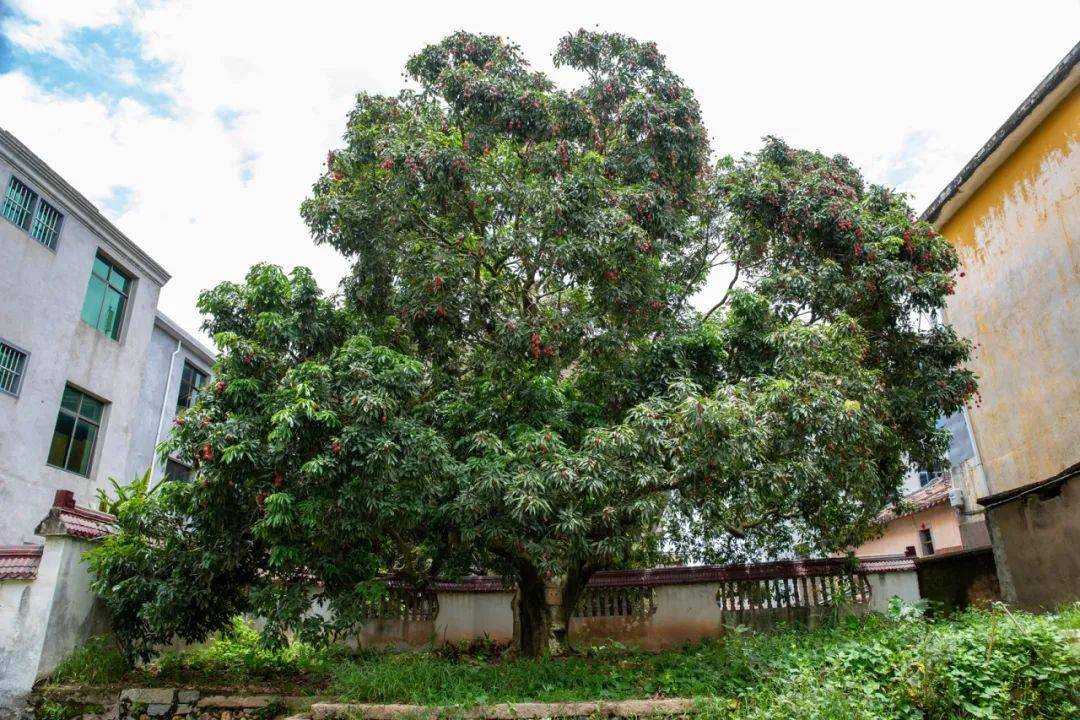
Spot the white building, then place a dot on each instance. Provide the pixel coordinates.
(90, 372)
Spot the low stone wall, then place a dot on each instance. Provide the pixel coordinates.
(508, 711)
(53, 611)
(79, 703)
(656, 608)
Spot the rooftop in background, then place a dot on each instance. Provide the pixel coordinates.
(924, 498)
(1043, 99)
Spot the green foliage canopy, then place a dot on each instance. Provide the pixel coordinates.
(513, 378)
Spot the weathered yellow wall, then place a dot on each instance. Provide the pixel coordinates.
(904, 531)
(1018, 237)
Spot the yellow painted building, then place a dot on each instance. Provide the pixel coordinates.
(1013, 214)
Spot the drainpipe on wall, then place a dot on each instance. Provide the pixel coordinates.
(164, 407)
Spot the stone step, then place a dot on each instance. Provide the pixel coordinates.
(505, 711)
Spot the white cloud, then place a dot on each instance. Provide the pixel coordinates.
(44, 25)
(259, 92)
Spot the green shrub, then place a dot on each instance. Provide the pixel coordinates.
(974, 665)
(98, 662)
(50, 710)
(239, 655)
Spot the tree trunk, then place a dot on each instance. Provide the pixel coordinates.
(542, 612)
(532, 620)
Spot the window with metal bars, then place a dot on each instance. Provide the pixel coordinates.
(76, 431)
(46, 226)
(12, 369)
(106, 298)
(18, 203)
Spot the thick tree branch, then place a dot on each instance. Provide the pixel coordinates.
(717, 306)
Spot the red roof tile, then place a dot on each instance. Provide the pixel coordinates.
(67, 518)
(886, 564)
(475, 584)
(87, 524)
(924, 498)
(19, 562)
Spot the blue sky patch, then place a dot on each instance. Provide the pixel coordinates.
(118, 201)
(5, 44)
(905, 164)
(247, 167)
(228, 117)
(105, 63)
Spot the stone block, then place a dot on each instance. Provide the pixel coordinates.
(159, 709)
(187, 697)
(149, 696)
(236, 702)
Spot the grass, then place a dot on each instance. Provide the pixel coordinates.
(97, 662)
(978, 664)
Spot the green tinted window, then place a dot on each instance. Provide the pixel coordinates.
(91, 408)
(46, 226)
(18, 203)
(191, 380)
(101, 268)
(76, 431)
(106, 297)
(71, 399)
(58, 450)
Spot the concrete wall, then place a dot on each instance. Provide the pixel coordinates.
(684, 613)
(153, 391)
(1036, 540)
(43, 620)
(885, 586)
(75, 613)
(1018, 237)
(466, 616)
(160, 387)
(942, 520)
(24, 615)
(43, 293)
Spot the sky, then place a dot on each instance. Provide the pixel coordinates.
(198, 127)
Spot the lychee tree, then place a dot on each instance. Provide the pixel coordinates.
(513, 379)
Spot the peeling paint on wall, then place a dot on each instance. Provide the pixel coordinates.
(1018, 237)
